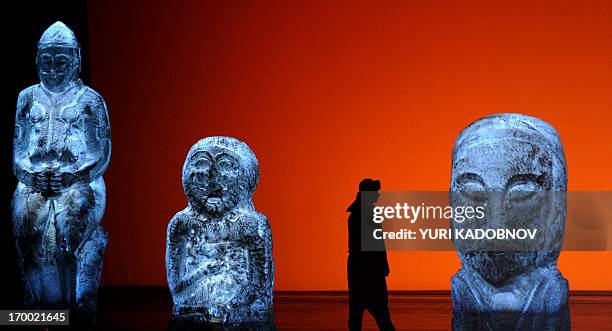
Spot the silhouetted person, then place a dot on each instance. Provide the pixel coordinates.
(367, 269)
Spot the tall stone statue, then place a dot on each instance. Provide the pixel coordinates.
(515, 166)
(219, 249)
(62, 147)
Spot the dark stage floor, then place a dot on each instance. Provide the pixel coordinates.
(148, 308)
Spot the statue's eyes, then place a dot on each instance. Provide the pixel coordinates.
(46, 61)
(202, 163)
(61, 62)
(471, 186)
(524, 187)
(227, 165)
(474, 191)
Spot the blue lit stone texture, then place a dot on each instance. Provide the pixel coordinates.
(219, 249)
(62, 147)
(513, 163)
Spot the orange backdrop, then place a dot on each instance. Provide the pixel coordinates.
(327, 93)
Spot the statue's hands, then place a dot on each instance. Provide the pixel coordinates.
(214, 268)
(202, 273)
(56, 183)
(207, 269)
(235, 257)
(61, 181)
(40, 181)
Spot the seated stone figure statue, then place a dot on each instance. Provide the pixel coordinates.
(61, 149)
(219, 249)
(514, 165)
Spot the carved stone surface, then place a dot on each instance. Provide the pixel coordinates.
(61, 149)
(507, 156)
(219, 249)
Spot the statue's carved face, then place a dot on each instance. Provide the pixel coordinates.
(510, 173)
(57, 67)
(212, 180)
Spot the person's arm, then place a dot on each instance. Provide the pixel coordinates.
(22, 167)
(102, 149)
(97, 132)
(261, 266)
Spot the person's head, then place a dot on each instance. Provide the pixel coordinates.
(514, 165)
(59, 57)
(219, 174)
(370, 186)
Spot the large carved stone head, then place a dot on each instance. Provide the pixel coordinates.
(220, 174)
(59, 57)
(514, 166)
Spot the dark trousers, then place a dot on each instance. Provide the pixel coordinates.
(367, 291)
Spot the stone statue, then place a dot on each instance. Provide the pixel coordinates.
(219, 249)
(62, 147)
(515, 166)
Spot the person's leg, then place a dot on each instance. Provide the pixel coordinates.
(356, 304)
(90, 251)
(29, 214)
(356, 309)
(379, 304)
(79, 214)
(89, 268)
